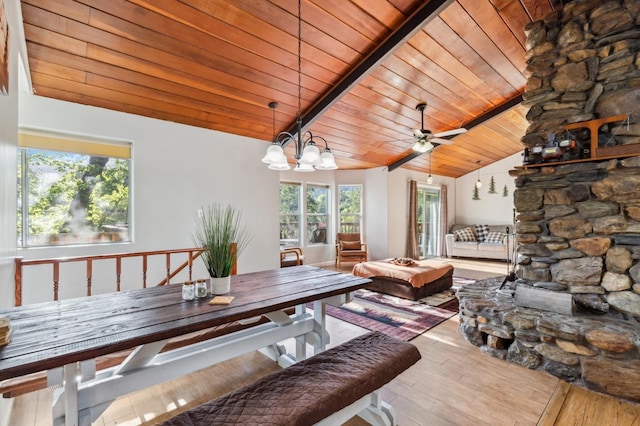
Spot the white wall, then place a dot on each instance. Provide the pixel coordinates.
(490, 209)
(8, 143)
(176, 170)
(376, 213)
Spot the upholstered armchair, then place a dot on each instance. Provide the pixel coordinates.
(350, 248)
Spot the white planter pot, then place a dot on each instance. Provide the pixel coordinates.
(221, 285)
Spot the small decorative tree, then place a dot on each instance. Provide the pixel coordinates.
(505, 191)
(476, 193)
(492, 186)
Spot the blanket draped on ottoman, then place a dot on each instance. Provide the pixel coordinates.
(423, 278)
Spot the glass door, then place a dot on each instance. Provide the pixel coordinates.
(428, 221)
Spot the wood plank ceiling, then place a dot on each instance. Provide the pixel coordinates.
(218, 64)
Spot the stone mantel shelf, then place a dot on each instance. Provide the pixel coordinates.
(598, 153)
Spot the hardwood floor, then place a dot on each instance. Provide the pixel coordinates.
(453, 384)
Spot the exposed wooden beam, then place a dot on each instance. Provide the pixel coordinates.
(408, 29)
(469, 125)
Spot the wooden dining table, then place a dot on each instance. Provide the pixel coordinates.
(65, 337)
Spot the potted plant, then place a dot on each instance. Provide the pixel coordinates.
(220, 234)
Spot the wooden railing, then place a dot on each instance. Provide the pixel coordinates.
(192, 254)
(349, 227)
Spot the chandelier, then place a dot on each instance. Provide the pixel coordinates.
(307, 155)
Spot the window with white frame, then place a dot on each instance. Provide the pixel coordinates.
(317, 213)
(72, 191)
(428, 216)
(290, 213)
(350, 208)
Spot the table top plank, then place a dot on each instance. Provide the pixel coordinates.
(51, 334)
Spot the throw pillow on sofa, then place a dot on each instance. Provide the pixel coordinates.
(495, 237)
(465, 234)
(481, 232)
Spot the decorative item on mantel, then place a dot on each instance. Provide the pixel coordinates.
(220, 233)
(505, 191)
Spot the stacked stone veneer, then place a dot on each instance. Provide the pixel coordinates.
(584, 63)
(577, 225)
(577, 233)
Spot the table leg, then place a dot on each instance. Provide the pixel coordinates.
(320, 318)
(71, 394)
(301, 341)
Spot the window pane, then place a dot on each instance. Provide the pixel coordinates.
(73, 198)
(19, 186)
(350, 199)
(317, 216)
(428, 215)
(290, 214)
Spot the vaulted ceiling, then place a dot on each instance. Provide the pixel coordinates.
(365, 64)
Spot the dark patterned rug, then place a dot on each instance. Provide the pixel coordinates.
(397, 317)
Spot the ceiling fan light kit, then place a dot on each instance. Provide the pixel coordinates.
(422, 146)
(308, 157)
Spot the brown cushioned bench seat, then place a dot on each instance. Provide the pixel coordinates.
(313, 389)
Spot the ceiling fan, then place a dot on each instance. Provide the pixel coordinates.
(426, 140)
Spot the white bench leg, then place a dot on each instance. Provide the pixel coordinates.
(379, 412)
(370, 408)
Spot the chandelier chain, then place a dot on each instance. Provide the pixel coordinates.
(307, 154)
(273, 109)
(299, 60)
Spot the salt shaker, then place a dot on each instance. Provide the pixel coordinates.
(188, 292)
(201, 288)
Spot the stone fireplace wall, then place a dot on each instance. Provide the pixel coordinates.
(583, 63)
(572, 307)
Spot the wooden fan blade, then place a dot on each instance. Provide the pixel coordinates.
(450, 132)
(441, 141)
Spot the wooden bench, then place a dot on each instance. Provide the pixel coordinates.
(327, 389)
(12, 388)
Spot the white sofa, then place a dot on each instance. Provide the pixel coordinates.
(492, 249)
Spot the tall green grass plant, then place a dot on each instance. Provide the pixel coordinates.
(217, 227)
